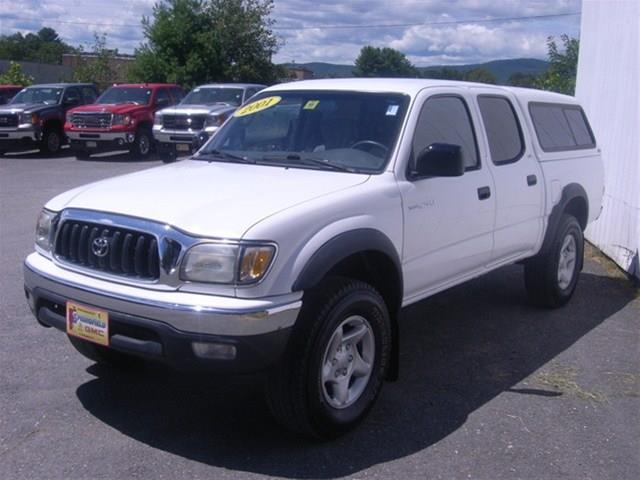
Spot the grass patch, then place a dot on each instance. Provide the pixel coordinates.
(563, 379)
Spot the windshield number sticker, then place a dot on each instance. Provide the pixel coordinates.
(392, 110)
(311, 104)
(257, 106)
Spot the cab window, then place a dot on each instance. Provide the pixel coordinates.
(446, 119)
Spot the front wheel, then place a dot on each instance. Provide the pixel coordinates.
(336, 362)
(141, 146)
(551, 278)
(51, 141)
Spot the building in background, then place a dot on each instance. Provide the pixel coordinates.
(300, 73)
(607, 86)
(41, 72)
(119, 63)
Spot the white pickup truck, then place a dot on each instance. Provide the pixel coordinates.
(290, 241)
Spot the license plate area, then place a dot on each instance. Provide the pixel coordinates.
(92, 144)
(88, 323)
(183, 147)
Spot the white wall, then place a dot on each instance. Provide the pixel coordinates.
(607, 86)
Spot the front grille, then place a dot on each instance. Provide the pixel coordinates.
(91, 120)
(127, 252)
(183, 122)
(8, 120)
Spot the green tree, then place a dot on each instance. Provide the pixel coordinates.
(45, 46)
(383, 62)
(519, 79)
(98, 67)
(480, 75)
(442, 73)
(15, 76)
(196, 41)
(563, 66)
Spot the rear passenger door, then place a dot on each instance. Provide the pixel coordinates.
(517, 176)
(448, 220)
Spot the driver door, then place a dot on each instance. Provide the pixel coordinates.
(448, 220)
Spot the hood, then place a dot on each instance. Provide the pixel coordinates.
(25, 107)
(189, 109)
(121, 108)
(207, 199)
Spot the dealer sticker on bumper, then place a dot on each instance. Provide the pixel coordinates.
(88, 323)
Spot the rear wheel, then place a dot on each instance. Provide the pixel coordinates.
(51, 141)
(551, 278)
(141, 146)
(336, 361)
(102, 355)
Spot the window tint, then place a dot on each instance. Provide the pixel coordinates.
(578, 126)
(502, 127)
(162, 97)
(72, 95)
(178, 94)
(560, 127)
(89, 94)
(446, 120)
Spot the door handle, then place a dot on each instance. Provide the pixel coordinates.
(532, 180)
(484, 193)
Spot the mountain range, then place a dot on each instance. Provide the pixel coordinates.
(501, 69)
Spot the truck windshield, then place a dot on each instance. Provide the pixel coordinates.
(210, 95)
(341, 131)
(46, 95)
(137, 95)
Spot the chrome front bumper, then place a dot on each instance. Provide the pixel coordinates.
(19, 134)
(126, 137)
(180, 136)
(183, 311)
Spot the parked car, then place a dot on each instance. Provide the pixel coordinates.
(122, 118)
(293, 238)
(7, 92)
(187, 126)
(34, 118)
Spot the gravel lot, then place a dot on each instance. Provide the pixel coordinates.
(490, 387)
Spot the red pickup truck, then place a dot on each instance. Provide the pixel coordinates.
(121, 118)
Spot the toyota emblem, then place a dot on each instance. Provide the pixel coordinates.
(100, 247)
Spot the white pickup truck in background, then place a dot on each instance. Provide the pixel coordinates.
(292, 239)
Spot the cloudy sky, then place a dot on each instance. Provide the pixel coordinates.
(429, 32)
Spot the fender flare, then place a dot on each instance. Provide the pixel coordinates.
(339, 248)
(569, 192)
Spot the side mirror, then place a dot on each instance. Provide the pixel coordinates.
(440, 160)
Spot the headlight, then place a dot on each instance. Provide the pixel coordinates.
(225, 263)
(31, 118)
(157, 120)
(214, 120)
(43, 230)
(120, 119)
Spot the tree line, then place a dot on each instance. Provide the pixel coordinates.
(191, 42)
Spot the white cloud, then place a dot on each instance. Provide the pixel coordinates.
(467, 42)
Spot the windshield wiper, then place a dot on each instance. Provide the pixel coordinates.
(294, 158)
(212, 155)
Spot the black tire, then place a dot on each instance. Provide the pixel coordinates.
(296, 392)
(541, 274)
(103, 355)
(81, 154)
(142, 145)
(167, 156)
(51, 141)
